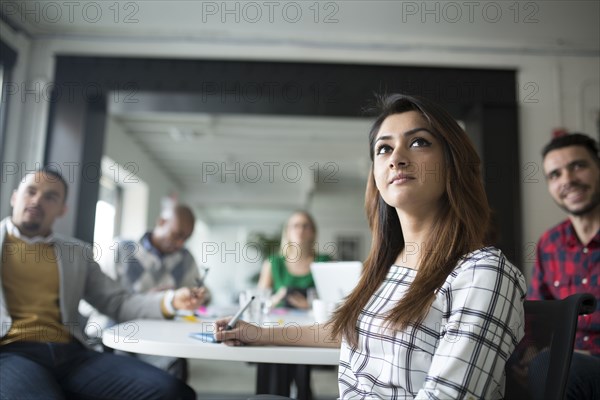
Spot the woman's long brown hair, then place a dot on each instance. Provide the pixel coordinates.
(459, 229)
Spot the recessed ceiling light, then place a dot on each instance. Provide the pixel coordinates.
(183, 134)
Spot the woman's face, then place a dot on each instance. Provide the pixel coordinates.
(300, 230)
(408, 163)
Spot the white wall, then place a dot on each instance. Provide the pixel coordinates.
(137, 164)
(563, 85)
(14, 159)
(340, 212)
(232, 260)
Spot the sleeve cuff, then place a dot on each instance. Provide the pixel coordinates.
(167, 304)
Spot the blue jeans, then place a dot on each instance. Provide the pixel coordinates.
(583, 382)
(71, 371)
(584, 378)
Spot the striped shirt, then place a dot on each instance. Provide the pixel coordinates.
(458, 351)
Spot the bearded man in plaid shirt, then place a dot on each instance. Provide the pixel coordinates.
(568, 255)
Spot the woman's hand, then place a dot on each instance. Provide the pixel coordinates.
(298, 300)
(242, 333)
(278, 296)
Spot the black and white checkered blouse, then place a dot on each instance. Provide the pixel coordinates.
(458, 351)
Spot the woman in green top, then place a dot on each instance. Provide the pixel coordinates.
(288, 274)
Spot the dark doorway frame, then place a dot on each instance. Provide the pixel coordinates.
(486, 99)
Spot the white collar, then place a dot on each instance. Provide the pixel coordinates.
(14, 231)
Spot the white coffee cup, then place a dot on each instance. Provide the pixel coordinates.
(322, 310)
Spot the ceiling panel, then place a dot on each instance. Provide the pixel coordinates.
(250, 162)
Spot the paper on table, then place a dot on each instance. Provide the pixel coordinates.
(205, 337)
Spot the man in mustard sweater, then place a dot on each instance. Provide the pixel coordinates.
(43, 276)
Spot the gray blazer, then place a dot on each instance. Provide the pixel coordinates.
(81, 278)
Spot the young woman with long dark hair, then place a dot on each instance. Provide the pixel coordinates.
(437, 311)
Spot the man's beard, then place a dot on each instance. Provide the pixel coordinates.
(594, 202)
(30, 226)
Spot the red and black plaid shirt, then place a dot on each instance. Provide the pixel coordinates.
(563, 267)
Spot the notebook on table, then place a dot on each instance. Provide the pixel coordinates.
(334, 280)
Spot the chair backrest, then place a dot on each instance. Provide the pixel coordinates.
(539, 366)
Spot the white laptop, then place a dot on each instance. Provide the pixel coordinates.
(335, 279)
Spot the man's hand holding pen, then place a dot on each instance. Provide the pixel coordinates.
(189, 298)
(193, 297)
(201, 293)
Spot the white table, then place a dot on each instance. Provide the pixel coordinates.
(172, 338)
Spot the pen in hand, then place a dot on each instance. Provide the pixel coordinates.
(237, 315)
(199, 283)
(200, 280)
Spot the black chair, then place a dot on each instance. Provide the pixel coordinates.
(539, 366)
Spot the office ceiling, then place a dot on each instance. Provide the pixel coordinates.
(252, 161)
(533, 26)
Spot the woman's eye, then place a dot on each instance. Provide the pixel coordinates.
(420, 142)
(384, 148)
